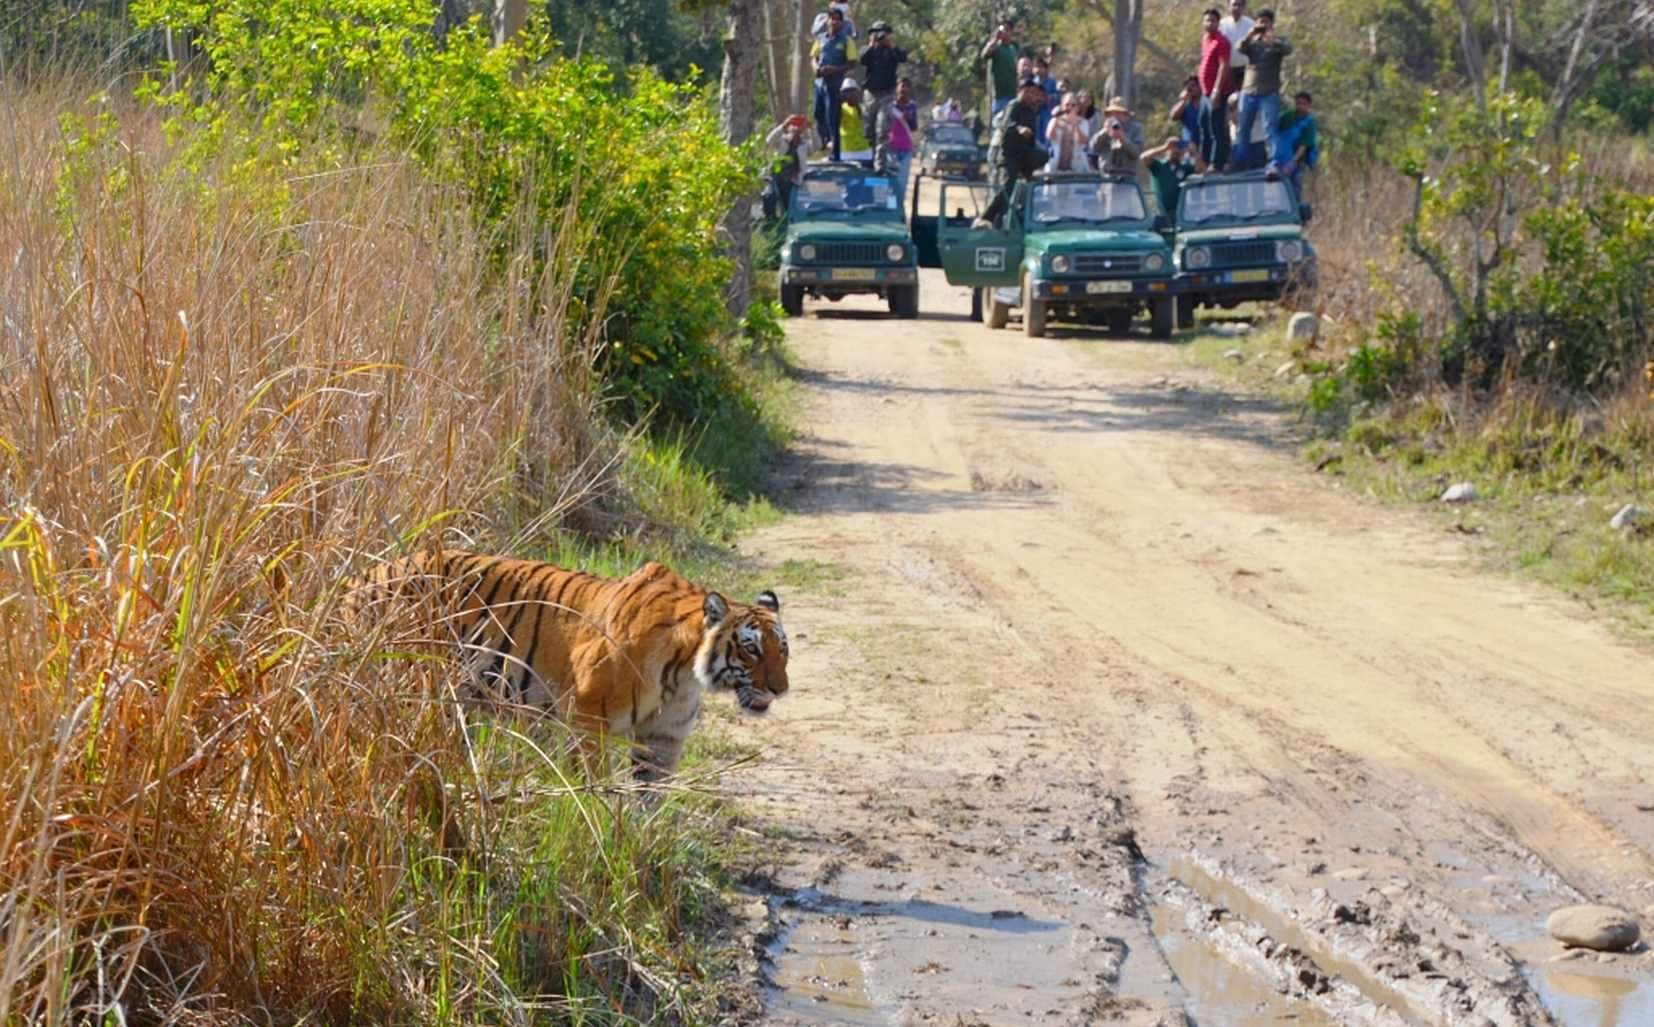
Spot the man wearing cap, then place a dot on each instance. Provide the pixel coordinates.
(790, 143)
(833, 53)
(880, 62)
(1116, 154)
(841, 6)
(1169, 164)
(1015, 152)
(999, 54)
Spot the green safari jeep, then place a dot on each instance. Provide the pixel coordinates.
(1240, 237)
(845, 234)
(1075, 246)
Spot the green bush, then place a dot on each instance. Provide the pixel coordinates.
(524, 135)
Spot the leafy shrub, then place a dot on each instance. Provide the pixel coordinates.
(641, 179)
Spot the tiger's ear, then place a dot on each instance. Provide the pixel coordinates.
(716, 608)
(769, 601)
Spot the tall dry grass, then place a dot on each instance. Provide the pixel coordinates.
(221, 394)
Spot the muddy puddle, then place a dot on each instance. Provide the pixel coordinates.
(1218, 991)
(819, 977)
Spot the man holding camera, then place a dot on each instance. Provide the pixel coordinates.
(1261, 95)
(881, 60)
(999, 53)
(1117, 153)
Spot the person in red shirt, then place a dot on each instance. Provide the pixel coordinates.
(1214, 77)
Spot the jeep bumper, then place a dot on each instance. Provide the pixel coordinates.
(849, 279)
(1248, 283)
(1101, 290)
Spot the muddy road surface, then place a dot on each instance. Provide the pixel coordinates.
(1107, 710)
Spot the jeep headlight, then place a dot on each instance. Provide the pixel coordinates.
(1061, 264)
(1153, 262)
(895, 251)
(1197, 257)
(807, 252)
(1289, 250)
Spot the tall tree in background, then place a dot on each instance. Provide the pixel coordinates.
(1128, 29)
(735, 110)
(508, 18)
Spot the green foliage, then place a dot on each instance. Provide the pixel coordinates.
(641, 178)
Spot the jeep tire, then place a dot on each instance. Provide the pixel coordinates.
(1033, 311)
(1118, 320)
(903, 300)
(1186, 310)
(995, 313)
(1163, 317)
(792, 300)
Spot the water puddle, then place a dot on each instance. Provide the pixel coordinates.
(1219, 992)
(818, 978)
(1230, 994)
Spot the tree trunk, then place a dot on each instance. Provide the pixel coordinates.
(778, 77)
(1128, 29)
(1566, 88)
(509, 16)
(1475, 65)
(803, 74)
(735, 123)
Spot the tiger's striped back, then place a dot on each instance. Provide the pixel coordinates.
(627, 657)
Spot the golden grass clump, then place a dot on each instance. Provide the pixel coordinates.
(222, 393)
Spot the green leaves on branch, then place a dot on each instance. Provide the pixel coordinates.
(540, 147)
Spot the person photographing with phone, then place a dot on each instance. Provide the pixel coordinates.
(1261, 95)
(999, 54)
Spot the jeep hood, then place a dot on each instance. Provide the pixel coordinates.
(1236, 233)
(1093, 240)
(847, 231)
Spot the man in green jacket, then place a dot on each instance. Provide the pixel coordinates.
(1015, 152)
(1000, 56)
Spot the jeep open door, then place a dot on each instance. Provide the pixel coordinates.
(976, 257)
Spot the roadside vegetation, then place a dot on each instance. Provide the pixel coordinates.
(344, 292)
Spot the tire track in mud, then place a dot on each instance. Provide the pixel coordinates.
(1117, 716)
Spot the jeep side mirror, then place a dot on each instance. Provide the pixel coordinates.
(1304, 212)
(1162, 223)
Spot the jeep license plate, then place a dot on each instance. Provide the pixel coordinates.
(853, 274)
(1256, 275)
(1096, 287)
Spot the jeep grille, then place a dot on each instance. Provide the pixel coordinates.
(1234, 254)
(851, 253)
(1108, 263)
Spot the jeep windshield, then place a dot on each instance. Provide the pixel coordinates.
(1233, 202)
(1085, 202)
(952, 134)
(846, 195)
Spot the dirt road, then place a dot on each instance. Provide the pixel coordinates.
(1106, 710)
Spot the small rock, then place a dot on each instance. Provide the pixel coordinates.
(1304, 327)
(1350, 873)
(1234, 354)
(1628, 518)
(1603, 928)
(1460, 492)
(1285, 369)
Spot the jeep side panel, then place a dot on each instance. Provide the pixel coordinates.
(978, 256)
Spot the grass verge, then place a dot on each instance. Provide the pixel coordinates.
(1549, 475)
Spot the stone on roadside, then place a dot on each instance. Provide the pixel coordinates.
(1234, 354)
(1285, 369)
(1629, 517)
(1601, 928)
(1460, 492)
(1303, 327)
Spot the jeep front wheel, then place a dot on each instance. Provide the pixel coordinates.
(1163, 317)
(1033, 311)
(997, 312)
(903, 300)
(1186, 310)
(792, 300)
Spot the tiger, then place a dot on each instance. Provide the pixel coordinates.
(627, 658)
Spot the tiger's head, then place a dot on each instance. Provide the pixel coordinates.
(744, 648)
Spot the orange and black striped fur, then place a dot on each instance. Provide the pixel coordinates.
(627, 658)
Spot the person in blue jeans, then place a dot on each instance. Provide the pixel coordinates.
(1261, 95)
(834, 51)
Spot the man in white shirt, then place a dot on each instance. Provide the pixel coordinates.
(1235, 28)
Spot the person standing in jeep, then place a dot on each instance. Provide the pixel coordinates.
(999, 53)
(1261, 96)
(881, 60)
(1016, 152)
(833, 52)
(1213, 75)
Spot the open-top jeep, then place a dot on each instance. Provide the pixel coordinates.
(1240, 237)
(845, 234)
(949, 148)
(1073, 247)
